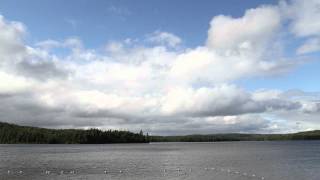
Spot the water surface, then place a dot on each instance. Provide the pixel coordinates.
(286, 160)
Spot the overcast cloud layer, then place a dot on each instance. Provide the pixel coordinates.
(156, 85)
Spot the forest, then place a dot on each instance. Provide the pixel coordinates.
(307, 135)
(14, 134)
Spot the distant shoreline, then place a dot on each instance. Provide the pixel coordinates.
(307, 135)
(15, 134)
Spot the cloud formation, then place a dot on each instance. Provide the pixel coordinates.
(162, 88)
(304, 23)
(164, 38)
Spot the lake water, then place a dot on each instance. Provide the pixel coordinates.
(294, 160)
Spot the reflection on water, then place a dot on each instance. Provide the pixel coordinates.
(297, 160)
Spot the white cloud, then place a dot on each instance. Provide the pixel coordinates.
(48, 44)
(202, 64)
(161, 87)
(310, 107)
(164, 38)
(246, 34)
(304, 15)
(114, 47)
(236, 47)
(73, 43)
(11, 40)
(13, 84)
(311, 45)
(223, 100)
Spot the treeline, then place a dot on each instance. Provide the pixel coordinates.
(308, 135)
(14, 134)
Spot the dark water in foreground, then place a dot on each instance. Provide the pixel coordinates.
(296, 160)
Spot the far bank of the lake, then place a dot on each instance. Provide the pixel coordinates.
(15, 134)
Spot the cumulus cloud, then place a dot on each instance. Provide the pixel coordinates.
(160, 88)
(311, 107)
(304, 22)
(18, 59)
(304, 16)
(223, 100)
(250, 32)
(202, 64)
(11, 41)
(247, 46)
(12, 84)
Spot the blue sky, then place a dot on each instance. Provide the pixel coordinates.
(101, 21)
(201, 67)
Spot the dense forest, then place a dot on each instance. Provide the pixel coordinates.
(13, 134)
(307, 135)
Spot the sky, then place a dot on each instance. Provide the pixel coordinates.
(166, 67)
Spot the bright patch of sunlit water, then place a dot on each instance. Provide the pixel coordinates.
(287, 160)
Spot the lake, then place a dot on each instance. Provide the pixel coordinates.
(286, 160)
